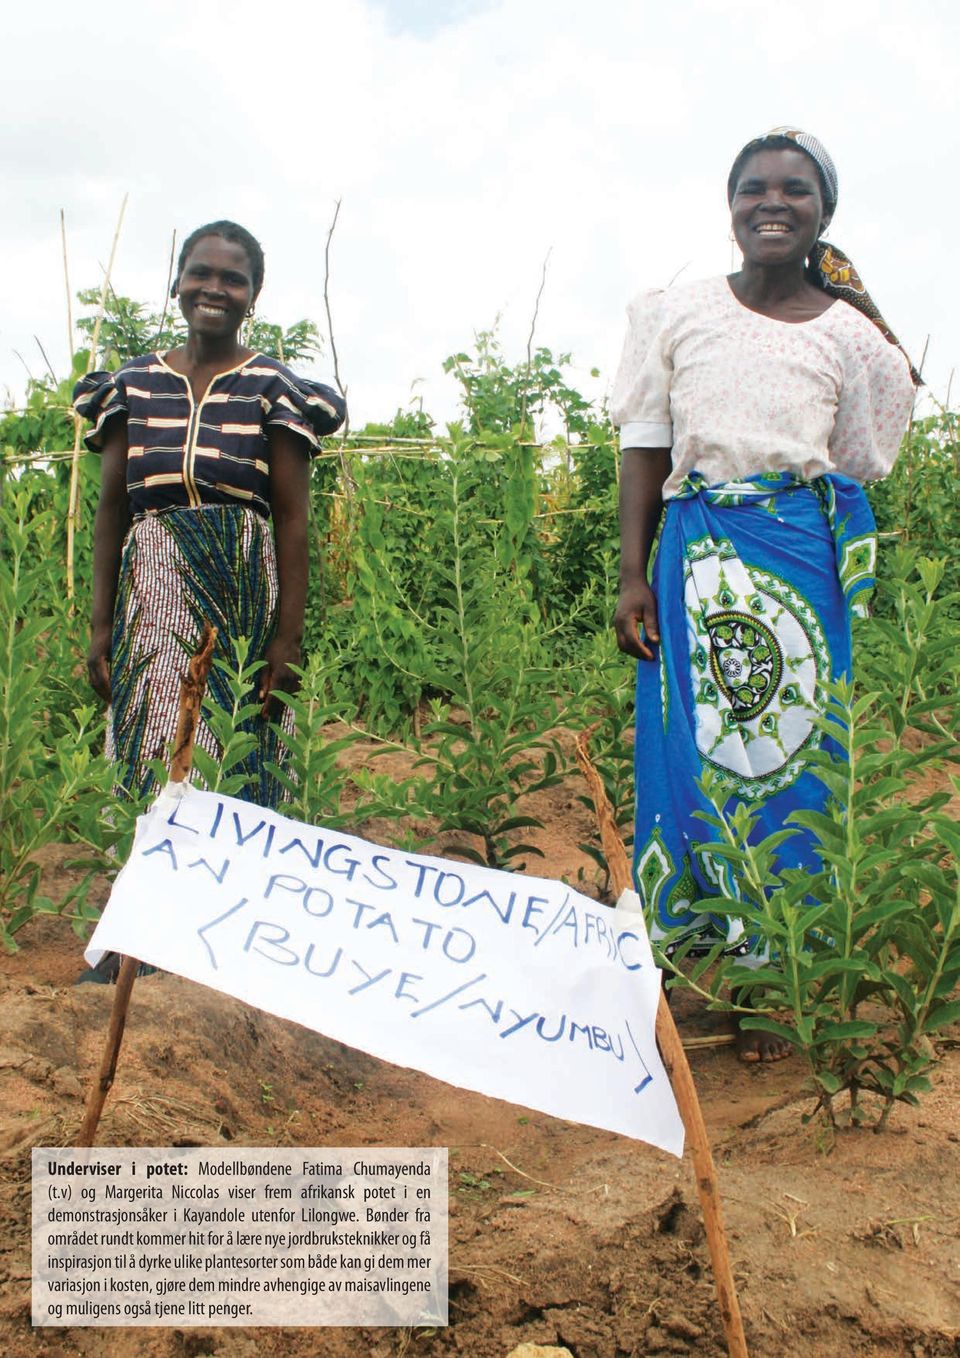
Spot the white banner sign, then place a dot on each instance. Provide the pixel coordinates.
(513, 986)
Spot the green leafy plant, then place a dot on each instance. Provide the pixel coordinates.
(298, 343)
(912, 504)
(392, 581)
(231, 770)
(51, 777)
(309, 777)
(909, 653)
(866, 952)
(314, 781)
(128, 328)
(496, 397)
(583, 554)
(487, 741)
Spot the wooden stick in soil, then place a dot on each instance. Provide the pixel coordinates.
(681, 1078)
(192, 687)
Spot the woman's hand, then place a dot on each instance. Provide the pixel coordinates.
(277, 676)
(98, 662)
(636, 609)
(642, 474)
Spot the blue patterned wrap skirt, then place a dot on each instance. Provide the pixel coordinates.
(756, 582)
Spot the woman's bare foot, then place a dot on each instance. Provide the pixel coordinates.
(752, 1044)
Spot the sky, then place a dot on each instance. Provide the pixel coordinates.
(465, 140)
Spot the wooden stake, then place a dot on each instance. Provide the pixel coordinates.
(192, 687)
(681, 1078)
(97, 1096)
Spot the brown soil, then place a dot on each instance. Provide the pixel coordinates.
(845, 1246)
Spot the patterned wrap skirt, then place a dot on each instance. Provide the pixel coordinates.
(756, 582)
(179, 569)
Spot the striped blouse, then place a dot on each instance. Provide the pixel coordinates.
(183, 453)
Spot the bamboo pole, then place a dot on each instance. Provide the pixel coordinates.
(681, 1078)
(66, 283)
(73, 503)
(192, 687)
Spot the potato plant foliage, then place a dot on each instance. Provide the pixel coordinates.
(462, 589)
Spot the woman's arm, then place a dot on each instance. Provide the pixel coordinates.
(109, 530)
(642, 474)
(289, 502)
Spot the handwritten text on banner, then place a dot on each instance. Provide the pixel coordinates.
(513, 986)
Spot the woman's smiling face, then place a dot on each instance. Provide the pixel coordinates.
(777, 208)
(215, 287)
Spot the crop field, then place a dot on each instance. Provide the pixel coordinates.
(457, 641)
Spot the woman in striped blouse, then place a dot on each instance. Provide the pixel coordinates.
(203, 449)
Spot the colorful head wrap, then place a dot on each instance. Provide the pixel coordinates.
(828, 267)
